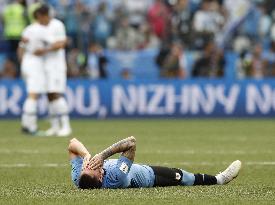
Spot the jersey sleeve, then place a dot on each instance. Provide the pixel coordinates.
(25, 33)
(60, 32)
(117, 177)
(76, 164)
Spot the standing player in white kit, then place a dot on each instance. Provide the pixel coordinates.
(32, 69)
(54, 67)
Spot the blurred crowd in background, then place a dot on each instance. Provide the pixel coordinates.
(208, 29)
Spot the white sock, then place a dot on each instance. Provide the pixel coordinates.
(65, 121)
(29, 116)
(54, 120)
(219, 180)
(61, 110)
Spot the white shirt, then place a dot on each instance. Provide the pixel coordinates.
(55, 31)
(35, 40)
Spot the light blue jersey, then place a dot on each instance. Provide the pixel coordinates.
(76, 164)
(119, 173)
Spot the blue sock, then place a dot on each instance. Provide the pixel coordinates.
(188, 179)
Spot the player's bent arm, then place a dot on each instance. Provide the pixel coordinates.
(54, 47)
(76, 148)
(57, 45)
(127, 146)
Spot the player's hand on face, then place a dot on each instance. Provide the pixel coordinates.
(86, 161)
(96, 162)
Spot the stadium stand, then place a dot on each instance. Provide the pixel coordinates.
(164, 38)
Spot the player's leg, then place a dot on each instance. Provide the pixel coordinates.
(53, 116)
(224, 177)
(32, 72)
(59, 115)
(29, 115)
(58, 107)
(165, 176)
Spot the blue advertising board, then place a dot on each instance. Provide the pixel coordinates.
(159, 98)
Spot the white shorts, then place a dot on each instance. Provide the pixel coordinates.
(56, 76)
(32, 70)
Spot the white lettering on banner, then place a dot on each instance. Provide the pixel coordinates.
(229, 102)
(3, 104)
(259, 98)
(79, 100)
(10, 103)
(120, 100)
(170, 107)
(184, 99)
(199, 100)
(153, 104)
(153, 99)
(143, 99)
(192, 99)
(142, 105)
(70, 98)
(163, 100)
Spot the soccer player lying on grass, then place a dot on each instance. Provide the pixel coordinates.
(98, 172)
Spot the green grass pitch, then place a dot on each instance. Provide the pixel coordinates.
(36, 170)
